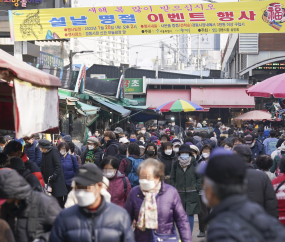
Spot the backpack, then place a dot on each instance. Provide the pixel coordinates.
(133, 177)
(277, 172)
(129, 167)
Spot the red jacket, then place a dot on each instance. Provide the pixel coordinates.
(116, 189)
(280, 197)
(33, 168)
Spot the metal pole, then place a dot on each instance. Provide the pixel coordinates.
(70, 124)
(70, 60)
(180, 123)
(178, 64)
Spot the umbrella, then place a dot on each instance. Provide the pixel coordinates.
(179, 106)
(255, 115)
(273, 86)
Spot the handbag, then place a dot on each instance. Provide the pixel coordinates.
(157, 237)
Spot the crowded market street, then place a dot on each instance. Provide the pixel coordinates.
(122, 122)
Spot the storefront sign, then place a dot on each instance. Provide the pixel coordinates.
(133, 85)
(21, 3)
(49, 60)
(210, 18)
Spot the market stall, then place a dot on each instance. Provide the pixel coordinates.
(28, 98)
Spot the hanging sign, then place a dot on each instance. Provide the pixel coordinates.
(210, 18)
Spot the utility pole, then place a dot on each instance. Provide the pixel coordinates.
(199, 59)
(178, 55)
(156, 67)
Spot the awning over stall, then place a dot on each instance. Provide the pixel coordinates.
(222, 97)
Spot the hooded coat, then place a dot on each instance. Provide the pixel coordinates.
(168, 161)
(260, 190)
(51, 167)
(15, 186)
(169, 210)
(32, 180)
(224, 225)
(34, 153)
(111, 148)
(116, 189)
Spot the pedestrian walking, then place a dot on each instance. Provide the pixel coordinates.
(119, 185)
(93, 153)
(129, 165)
(270, 143)
(29, 213)
(3, 143)
(4, 161)
(279, 188)
(32, 150)
(14, 149)
(275, 167)
(155, 206)
(263, 163)
(71, 151)
(122, 152)
(112, 144)
(68, 163)
(18, 165)
(187, 183)
(227, 145)
(52, 170)
(167, 158)
(151, 151)
(279, 146)
(259, 188)
(233, 217)
(256, 147)
(92, 219)
(176, 144)
(68, 139)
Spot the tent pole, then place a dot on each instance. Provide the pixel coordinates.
(180, 123)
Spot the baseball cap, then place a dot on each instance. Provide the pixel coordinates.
(248, 139)
(118, 130)
(176, 142)
(67, 138)
(242, 150)
(12, 146)
(88, 174)
(124, 140)
(8, 137)
(153, 139)
(223, 167)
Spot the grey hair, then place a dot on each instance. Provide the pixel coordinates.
(158, 167)
(223, 191)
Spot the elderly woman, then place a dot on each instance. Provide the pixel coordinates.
(93, 152)
(155, 205)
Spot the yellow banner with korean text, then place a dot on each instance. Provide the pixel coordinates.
(210, 18)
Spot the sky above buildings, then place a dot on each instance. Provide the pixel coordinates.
(147, 46)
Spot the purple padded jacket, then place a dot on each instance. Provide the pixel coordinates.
(170, 210)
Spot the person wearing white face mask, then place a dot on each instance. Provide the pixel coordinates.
(93, 152)
(176, 144)
(187, 183)
(69, 165)
(119, 186)
(92, 219)
(155, 206)
(145, 134)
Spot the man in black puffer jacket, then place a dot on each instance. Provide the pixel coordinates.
(259, 187)
(112, 145)
(92, 219)
(34, 212)
(234, 218)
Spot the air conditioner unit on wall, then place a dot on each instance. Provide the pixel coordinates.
(98, 76)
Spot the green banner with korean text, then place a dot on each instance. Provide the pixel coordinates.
(133, 85)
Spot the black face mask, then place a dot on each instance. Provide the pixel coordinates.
(28, 144)
(150, 152)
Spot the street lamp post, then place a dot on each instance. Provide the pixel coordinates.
(71, 54)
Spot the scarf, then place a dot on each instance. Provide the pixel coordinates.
(148, 211)
(184, 163)
(90, 157)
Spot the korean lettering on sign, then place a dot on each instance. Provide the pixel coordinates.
(133, 85)
(233, 17)
(22, 3)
